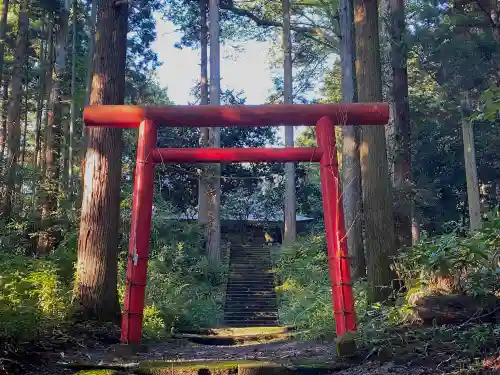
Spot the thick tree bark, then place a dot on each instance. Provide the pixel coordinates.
(290, 230)
(214, 188)
(91, 52)
(64, 149)
(90, 72)
(470, 166)
(39, 107)
(45, 55)
(50, 188)
(376, 187)
(3, 120)
(351, 169)
(73, 101)
(49, 81)
(3, 32)
(96, 287)
(401, 118)
(13, 114)
(25, 127)
(202, 188)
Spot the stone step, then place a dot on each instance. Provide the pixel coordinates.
(265, 272)
(249, 316)
(241, 278)
(268, 311)
(258, 279)
(264, 286)
(251, 323)
(256, 304)
(250, 272)
(258, 295)
(248, 292)
(239, 271)
(268, 305)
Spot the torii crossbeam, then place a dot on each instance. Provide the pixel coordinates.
(149, 119)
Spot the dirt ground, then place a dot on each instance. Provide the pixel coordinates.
(409, 352)
(289, 352)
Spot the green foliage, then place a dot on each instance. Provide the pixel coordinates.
(304, 291)
(182, 286)
(469, 263)
(183, 289)
(33, 295)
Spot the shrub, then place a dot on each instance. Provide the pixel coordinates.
(304, 290)
(182, 285)
(32, 296)
(453, 264)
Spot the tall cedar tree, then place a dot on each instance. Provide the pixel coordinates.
(214, 170)
(290, 194)
(96, 289)
(14, 110)
(351, 170)
(401, 120)
(202, 189)
(50, 190)
(377, 196)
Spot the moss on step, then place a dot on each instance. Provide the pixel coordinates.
(238, 331)
(263, 369)
(346, 345)
(97, 372)
(234, 340)
(243, 367)
(192, 368)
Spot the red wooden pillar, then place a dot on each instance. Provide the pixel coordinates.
(338, 256)
(142, 207)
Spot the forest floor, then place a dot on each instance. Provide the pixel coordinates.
(410, 350)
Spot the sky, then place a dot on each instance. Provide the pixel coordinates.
(247, 70)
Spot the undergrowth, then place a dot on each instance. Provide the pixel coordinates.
(467, 265)
(36, 292)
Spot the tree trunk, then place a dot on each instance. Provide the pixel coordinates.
(90, 72)
(202, 188)
(3, 120)
(91, 51)
(290, 200)
(47, 91)
(470, 166)
(3, 32)
(351, 170)
(402, 130)
(13, 114)
(213, 188)
(73, 101)
(497, 193)
(64, 149)
(50, 189)
(25, 128)
(42, 81)
(377, 196)
(96, 288)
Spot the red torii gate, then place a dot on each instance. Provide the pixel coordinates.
(148, 119)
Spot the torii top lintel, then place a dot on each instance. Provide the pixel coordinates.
(128, 116)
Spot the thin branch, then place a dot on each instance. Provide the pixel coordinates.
(331, 40)
(487, 14)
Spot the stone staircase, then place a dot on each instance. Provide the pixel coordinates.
(250, 297)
